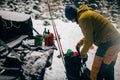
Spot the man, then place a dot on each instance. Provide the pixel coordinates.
(99, 31)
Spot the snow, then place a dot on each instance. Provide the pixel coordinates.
(14, 16)
(70, 34)
(33, 64)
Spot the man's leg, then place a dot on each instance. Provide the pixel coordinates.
(110, 72)
(106, 71)
(95, 67)
(107, 67)
(102, 71)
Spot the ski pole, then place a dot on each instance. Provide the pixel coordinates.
(56, 34)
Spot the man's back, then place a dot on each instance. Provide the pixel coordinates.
(100, 26)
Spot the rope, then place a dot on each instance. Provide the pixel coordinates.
(56, 34)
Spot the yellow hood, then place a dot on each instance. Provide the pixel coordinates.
(82, 9)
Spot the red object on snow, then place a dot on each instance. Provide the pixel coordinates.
(49, 39)
(75, 53)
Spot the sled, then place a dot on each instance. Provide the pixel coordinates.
(16, 35)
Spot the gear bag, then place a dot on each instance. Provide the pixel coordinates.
(76, 68)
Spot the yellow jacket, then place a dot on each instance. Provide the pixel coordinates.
(95, 27)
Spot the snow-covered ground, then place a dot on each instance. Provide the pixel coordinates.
(70, 34)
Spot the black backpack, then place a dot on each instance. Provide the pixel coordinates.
(76, 68)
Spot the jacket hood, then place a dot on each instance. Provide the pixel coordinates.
(82, 9)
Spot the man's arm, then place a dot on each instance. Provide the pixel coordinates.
(87, 29)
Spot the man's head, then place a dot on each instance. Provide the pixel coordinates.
(71, 12)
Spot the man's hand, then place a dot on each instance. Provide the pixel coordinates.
(92, 47)
(78, 49)
(83, 56)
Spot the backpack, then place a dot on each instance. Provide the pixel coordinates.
(76, 68)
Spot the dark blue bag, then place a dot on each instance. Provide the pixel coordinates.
(76, 68)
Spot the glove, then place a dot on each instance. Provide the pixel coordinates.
(79, 52)
(84, 58)
(82, 55)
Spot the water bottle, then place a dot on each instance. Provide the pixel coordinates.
(38, 40)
